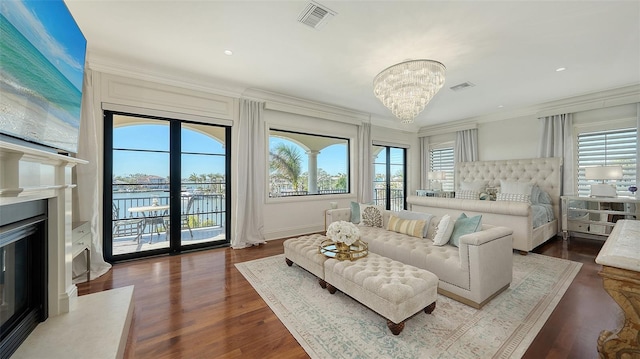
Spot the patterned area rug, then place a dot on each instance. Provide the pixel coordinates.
(336, 326)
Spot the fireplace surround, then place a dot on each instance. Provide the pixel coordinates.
(28, 176)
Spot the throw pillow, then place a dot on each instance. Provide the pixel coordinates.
(371, 215)
(443, 231)
(465, 225)
(477, 186)
(516, 197)
(515, 187)
(467, 194)
(426, 217)
(355, 212)
(411, 227)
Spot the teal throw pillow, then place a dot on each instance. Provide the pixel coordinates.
(355, 212)
(465, 225)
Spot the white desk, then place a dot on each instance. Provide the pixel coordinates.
(620, 260)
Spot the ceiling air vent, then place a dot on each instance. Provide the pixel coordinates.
(462, 86)
(315, 15)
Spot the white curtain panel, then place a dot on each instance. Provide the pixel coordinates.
(466, 149)
(252, 167)
(424, 162)
(365, 170)
(89, 180)
(556, 140)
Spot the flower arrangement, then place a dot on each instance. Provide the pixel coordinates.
(343, 232)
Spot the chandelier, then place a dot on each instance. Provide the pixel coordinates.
(406, 88)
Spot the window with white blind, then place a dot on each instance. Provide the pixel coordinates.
(608, 148)
(441, 159)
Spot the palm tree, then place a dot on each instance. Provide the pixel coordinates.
(286, 162)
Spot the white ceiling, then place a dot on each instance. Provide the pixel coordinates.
(509, 50)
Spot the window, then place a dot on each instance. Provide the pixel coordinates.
(441, 159)
(301, 164)
(389, 177)
(608, 148)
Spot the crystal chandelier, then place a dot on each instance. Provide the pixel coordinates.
(406, 88)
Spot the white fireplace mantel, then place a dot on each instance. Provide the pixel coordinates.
(28, 174)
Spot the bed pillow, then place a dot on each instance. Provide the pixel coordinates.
(515, 187)
(515, 197)
(426, 217)
(411, 227)
(465, 225)
(477, 186)
(467, 194)
(538, 196)
(371, 216)
(443, 231)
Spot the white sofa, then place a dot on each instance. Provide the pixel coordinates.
(473, 274)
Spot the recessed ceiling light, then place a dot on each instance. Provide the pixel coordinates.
(560, 69)
(228, 52)
(500, 106)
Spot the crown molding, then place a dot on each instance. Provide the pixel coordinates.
(283, 103)
(446, 128)
(591, 101)
(119, 67)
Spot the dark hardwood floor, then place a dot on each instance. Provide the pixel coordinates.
(197, 305)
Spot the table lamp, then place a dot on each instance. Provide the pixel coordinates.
(603, 173)
(434, 177)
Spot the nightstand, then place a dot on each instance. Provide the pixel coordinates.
(596, 215)
(81, 243)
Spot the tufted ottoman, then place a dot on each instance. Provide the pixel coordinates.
(304, 252)
(392, 289)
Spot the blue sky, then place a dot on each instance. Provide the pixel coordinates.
(156, 137)
(332, 159)
(49, 26)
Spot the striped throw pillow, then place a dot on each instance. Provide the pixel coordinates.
(516, 197)
(411, 227)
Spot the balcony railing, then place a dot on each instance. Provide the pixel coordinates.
(206, 210)
(396, 198)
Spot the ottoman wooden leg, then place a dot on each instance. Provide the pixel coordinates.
(429, 308)
(331, 288)
(289, 262)
(395, 328)
(323, 284)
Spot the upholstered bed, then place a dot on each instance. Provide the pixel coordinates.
(546, 173)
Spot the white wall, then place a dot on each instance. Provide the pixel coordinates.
(508, 139)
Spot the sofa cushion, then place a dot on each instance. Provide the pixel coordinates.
(443, 231)
(411, 227)
(426, 217)
(465, 225)
(443, 261)
(355, 212)
(371, 216)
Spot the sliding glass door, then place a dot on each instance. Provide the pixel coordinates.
(166, 185)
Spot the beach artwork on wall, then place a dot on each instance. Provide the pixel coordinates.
(42, 54)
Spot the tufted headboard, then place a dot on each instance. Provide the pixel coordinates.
(545, 172)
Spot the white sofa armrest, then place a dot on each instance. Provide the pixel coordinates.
(338, 214)
(487, 234)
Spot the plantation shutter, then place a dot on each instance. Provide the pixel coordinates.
(441, 159)
(610, 148)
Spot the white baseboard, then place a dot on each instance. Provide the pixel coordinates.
(292, 231)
